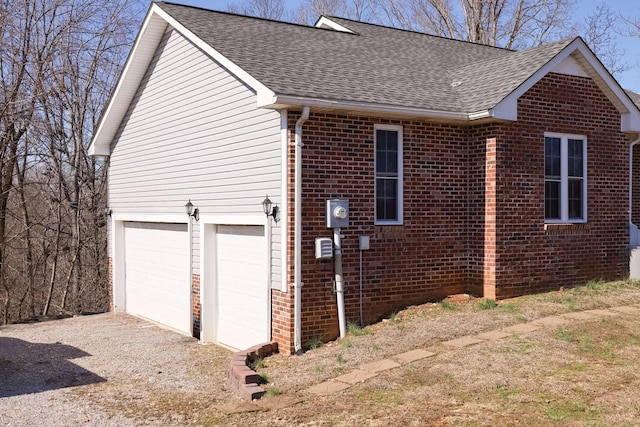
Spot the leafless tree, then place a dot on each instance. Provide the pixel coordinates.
(269, 9)
(59, 61)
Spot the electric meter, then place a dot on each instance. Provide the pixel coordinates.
(337, 213)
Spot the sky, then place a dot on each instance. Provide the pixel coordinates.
(630, 79)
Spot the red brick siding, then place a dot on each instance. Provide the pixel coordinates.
(195, 301)
(473, 209)
(635, 206)
(530, 259)
(110, 287)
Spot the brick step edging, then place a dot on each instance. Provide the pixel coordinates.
(243, 380)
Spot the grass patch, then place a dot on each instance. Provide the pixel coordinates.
(340, 359)
(509, 306)
(487, 304)
(446, 305)
(346, 343)
(257, 363)
(562, 334)
(314, 343)
(355, 330)
(272, 391)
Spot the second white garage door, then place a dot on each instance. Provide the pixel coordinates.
(243, 304)
(157, 273)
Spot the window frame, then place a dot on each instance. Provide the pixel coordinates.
(400, 178)
(564, 178)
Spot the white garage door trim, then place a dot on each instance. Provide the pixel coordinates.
(157, 285)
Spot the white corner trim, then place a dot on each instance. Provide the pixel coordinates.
(284, 198)
(325, 22)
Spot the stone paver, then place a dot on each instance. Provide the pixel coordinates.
(278, 402)
(356, 376)
(462, 342)
(328, 387)
(413, 356)
(239, 407)
(625, 309)
(521, 328)
(551, 321)
(599, 312)
(493, 335)
(580, 315)
(380, 365)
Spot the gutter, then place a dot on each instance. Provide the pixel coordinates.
(297, 233)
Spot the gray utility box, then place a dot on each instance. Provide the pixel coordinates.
(337, 213)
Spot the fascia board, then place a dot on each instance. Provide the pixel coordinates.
(287, 101)
(136, 65)
(261, 90)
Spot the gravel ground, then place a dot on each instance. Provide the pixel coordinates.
(61, 373)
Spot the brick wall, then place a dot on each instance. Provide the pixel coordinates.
(110, 287)
(532, 257)
(635, 207)
(195, 301)
(473, 209)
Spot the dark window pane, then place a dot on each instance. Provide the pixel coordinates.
(552, 200)
(576, 158)
(575, 199)
(386, 153)
(552, 157)
(386, 199)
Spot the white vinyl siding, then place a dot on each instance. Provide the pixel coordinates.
(193, 132)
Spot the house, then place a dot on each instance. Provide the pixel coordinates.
(448, 167)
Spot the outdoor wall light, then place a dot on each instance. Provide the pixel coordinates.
(195, 213)
(270, 210)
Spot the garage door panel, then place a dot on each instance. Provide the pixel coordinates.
(243, 308)
(157, 273)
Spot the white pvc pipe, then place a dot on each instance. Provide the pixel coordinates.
(337, 254)
(297, 234)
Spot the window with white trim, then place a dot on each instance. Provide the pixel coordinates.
(388, 174)
(565, 178)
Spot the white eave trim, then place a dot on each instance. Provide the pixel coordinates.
(155, 25)
(287, 101)
(507, 109)
(325, 22)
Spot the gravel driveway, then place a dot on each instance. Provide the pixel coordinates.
(98, 370)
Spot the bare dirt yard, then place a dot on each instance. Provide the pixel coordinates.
(554, 365)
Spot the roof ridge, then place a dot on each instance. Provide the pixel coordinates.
(419, 33)
(239, 15)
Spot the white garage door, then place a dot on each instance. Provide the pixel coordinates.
(157, 273)
(243, 307)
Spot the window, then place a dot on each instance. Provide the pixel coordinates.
(388, 164)
(565, 178)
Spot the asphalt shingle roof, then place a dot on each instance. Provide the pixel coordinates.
(377, 64)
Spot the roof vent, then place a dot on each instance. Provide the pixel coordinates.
(456, 84)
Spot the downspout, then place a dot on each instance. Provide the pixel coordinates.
(297, 233)
(337, 253)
